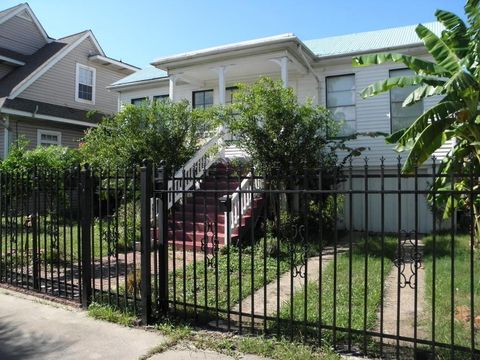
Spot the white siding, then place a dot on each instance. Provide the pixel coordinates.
(21, 35)
(411, 206)
(57, 85)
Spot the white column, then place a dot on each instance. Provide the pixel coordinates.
(171, 89)
(283, 63)
(221, 70)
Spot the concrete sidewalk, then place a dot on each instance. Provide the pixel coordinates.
(31, 328)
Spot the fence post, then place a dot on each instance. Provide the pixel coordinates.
(86, 226)
(163, 241)
(146, 191)
(34, 223)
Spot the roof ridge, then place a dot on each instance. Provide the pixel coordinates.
(75, 34)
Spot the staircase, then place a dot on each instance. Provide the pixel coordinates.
(200, 217)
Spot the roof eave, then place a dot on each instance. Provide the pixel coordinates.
(221, 50)
(136, 83)
(118, 65)
(410, 47)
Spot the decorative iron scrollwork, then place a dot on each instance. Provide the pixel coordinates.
(299, 249)
(210, 237)
(408, 259)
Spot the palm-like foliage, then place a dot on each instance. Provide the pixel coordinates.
(453, 74)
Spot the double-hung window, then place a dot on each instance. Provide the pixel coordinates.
(138, 101)
(202, 99)
(402, 117)
(85, 84)
(161, 97)
(48, 137)
(229, 94)
(341, 101)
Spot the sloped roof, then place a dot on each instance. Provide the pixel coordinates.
(370, 40)
(146, 74)
(10, 10)
(62, 112)
(33, 62)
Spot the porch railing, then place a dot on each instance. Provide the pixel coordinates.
(199, 163)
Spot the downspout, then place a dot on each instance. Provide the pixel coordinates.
(317, 78)
(6, 135)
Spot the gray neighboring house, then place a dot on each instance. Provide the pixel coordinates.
(51, 90)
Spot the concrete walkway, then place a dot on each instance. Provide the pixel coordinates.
(284, 287)
(30, 329)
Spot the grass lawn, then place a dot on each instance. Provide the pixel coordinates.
(68, 240)
(443, 285)
(211, 283)
(341, 293)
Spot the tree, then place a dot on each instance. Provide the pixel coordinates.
(279, 133)
(454, 74)
(287, 141)
(155, 131)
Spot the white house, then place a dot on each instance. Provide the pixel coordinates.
(318, 69)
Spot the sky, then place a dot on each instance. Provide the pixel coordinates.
(140, 31)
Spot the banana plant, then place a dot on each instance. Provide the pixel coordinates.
(454, 75)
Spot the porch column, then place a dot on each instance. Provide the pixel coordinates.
(221, 83)
(283, 63)
(172, 83)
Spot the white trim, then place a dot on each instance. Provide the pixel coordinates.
(100, 58)
(77, 82)
(96, 43)
(17, 90)
(11, 61)
(47, 117)
(32, 15)
(138, 83)
(41, 132)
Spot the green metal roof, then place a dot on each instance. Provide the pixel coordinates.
(370, 40)
(148, 73)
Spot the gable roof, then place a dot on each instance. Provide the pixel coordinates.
(370, 40)
(37, 64)
(18, 9)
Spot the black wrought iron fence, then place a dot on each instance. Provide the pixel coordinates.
(365, 260)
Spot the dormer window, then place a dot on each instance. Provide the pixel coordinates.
(85, 84)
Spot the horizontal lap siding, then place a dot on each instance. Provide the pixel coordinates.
(21, 35)
(57, 85)
(410, 207)
(28, 127)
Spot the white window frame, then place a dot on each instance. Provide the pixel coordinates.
(77, 82)
(354, 75)
(41, 132)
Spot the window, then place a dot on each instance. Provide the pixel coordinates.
(202, 99)
(85, 84)
(341, 101)
(48, 137)
(229, 94)
(138, 101)
(160, 97)
(402, 117)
